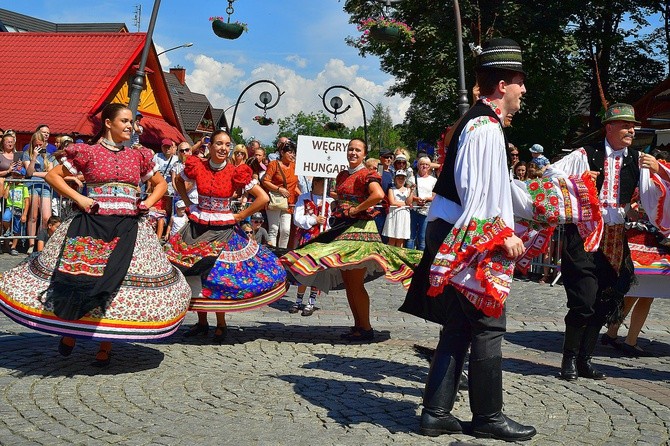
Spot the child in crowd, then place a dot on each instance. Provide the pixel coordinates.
(248, 230)
(17, 197)
(45, 234)
(178, 220)
(533, 171)
(260, 233)
(310, 221)
(539, 159)
(397, 225)
(372, 163)
(157, 216)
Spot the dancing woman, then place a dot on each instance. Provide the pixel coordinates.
(352, 252)
(102, 275)
(234, 272)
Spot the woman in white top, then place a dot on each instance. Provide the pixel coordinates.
(422, 196)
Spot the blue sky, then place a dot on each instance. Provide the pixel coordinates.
(299, 44)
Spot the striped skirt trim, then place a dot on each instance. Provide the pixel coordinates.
(233, 305)
(88, 328)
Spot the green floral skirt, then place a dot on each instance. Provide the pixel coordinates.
(320, 264)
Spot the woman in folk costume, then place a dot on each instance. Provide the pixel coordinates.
(234, 272)
(650, 252)
(352, 252)
(103, 274)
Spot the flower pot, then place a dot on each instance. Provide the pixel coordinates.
(227, 30)
(334, 126)
(385, 33)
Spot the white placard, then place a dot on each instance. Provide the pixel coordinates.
(321, 157)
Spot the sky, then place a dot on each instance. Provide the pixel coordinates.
(298, 44)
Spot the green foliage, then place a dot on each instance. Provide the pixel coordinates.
(312, 124)
(559, 41)
(237, 135)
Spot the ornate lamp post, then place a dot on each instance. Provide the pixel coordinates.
(183, 45)
(265, 98)
(336, 103)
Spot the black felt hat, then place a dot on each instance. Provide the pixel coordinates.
(501, 54)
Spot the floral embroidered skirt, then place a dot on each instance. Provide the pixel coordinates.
(320, 263)
(150, 303)
(237, 274)
(651, 261)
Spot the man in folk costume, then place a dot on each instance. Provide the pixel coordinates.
(596, 283)
(473, 187)
(466, 271)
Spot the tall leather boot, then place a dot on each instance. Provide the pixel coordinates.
(571, 345)
(486, 401)
(442, 388)
(584, 367)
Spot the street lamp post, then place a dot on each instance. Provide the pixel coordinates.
(137, 85)
(463, 105)
(265, 98)
(336, 103)
(183, 45)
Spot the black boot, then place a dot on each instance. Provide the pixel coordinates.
(442, 388)
(584, 367)
(486, 401)
(571, 344)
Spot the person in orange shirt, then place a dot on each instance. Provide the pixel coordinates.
(280, 177)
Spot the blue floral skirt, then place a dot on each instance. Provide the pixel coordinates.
(237, 274)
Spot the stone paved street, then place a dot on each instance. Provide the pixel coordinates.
(283, 379)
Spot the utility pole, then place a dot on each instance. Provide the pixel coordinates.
(137, 18)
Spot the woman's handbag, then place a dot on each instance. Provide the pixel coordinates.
(278, 202)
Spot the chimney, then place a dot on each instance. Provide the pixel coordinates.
(180, 74)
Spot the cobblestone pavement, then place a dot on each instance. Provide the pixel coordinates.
(283, 379)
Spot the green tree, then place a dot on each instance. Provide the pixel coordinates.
(237, 136)
(558, 41)
(312, 124)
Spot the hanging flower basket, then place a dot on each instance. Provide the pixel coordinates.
(263, 120)
(382, 29)
(227, 30)
(334, 126)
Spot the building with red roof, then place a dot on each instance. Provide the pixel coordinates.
(65, 80)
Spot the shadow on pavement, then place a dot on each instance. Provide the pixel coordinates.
(641, 372)
(37, 354)
(370, 369)
(552, 341)
(279, 332)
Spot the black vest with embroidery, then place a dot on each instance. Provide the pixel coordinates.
(446, 183)
(629, 176)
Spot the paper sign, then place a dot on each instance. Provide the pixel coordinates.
(321, 157)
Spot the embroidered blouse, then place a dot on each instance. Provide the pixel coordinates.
(472, 258)
(112, 177)
(352, 190)
(215, 190)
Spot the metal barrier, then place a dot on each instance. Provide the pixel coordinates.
(538, 263)
(13, 202)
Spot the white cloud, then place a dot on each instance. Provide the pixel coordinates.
(223, 82)
(299, 62)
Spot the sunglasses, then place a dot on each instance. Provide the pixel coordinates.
(184, 150)
(239, 153)
(386, 157)
(248, 232)
(257, 221)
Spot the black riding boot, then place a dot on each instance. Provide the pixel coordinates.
(584, 367)
(442, 388)
(571, 345)
(486, 401)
